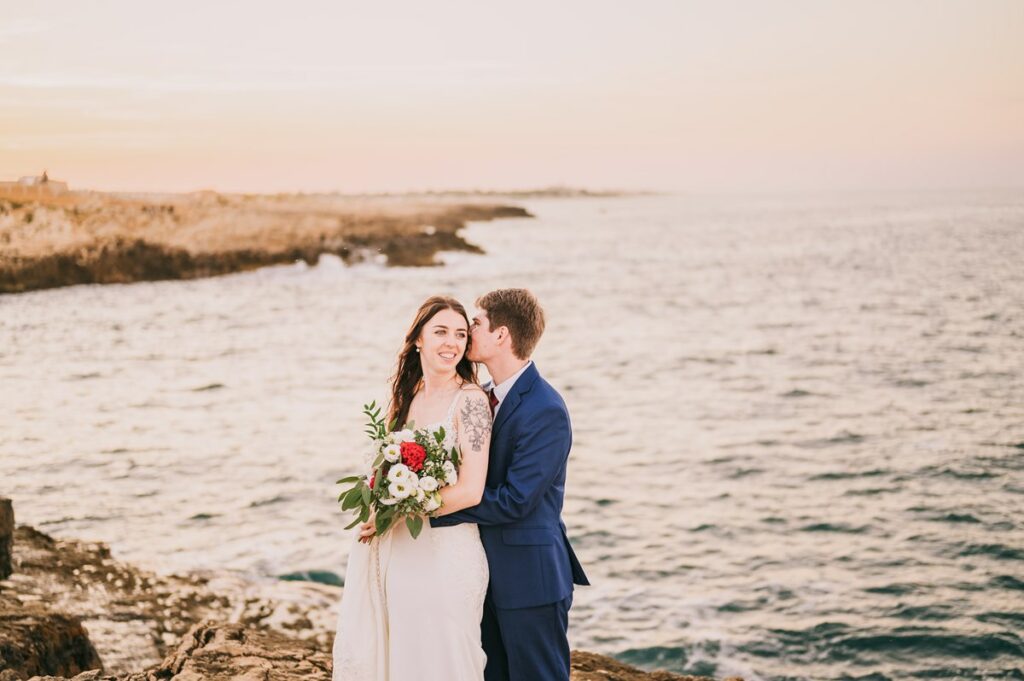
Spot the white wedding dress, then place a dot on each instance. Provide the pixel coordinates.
(411, 608)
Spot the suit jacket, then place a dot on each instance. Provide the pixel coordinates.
(530, 559)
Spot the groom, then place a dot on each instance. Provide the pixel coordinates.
(532, 566)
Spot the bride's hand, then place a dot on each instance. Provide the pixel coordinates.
(368, 529)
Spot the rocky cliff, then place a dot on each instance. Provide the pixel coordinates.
(102, 238)
(69, 610)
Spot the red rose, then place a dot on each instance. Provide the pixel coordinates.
(372, 478)
(413, 455)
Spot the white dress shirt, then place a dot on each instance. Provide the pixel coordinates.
(502, 390)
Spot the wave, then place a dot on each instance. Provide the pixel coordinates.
(276, 499)
(1013, 620)
(1007, 582)
(673, 658)
(958, 474)
(846, 475)
(797, 393)
(925, 643)
(936, 613)
(872, 491)
(956, 518)
(842, 438)
(835, 527)
(997, 551)
(894, 589)
(841, 643)
(318, 576)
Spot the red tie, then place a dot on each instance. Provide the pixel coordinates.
(493, 399)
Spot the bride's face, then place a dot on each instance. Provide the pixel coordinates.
(443, 341)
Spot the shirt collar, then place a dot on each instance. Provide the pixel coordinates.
(502, 389)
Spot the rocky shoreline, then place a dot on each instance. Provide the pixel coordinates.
(69, 610)
(91, 237)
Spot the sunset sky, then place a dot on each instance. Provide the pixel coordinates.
(391, 96)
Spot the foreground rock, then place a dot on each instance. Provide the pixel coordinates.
(70, 610)
(102, 238)
(6, 536)
(224, 652)
(135, 618)
(35, 640)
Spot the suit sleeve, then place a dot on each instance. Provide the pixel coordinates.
(538, 457)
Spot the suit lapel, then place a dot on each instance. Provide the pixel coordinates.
(514, 397)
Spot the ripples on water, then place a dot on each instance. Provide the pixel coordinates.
(799, 443)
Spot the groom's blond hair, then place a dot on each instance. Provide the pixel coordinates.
(519, 311)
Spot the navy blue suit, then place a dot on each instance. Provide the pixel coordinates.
(532, 566)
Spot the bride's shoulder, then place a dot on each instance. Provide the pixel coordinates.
(471, 393)
(471, 388)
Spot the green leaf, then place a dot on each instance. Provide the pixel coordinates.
(364, 491)
(382, 523)
(378, 460)
(345, 481)
(354, 523)
(415, 525)
(352, 498)
(455, 456)
(364, 514)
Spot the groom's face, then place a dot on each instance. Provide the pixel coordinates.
(481, 345)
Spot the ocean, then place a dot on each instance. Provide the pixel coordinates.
(799, 421)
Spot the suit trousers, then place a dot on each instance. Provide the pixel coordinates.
(526, 644)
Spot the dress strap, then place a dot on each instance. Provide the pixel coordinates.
(451, 408)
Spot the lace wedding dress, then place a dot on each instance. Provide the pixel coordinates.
(411, 608)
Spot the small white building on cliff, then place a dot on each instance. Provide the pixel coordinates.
(34, 186)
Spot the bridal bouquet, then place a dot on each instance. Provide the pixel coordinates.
(408, 469)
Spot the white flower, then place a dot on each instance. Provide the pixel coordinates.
(428, 484)
(399, 472)
(420, 495)
(389, 502)
(392, 453)
(432, 503)
(400, 489)
(451, 476)
(400, 436)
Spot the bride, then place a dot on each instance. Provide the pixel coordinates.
(412, 607)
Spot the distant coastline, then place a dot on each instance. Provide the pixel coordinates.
(557, 192)
(68, 238)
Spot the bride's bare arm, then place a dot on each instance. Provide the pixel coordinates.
(473, 431)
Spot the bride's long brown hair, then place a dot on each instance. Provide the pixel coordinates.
(409, 371)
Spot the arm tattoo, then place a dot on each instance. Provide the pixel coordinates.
(476, 421)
